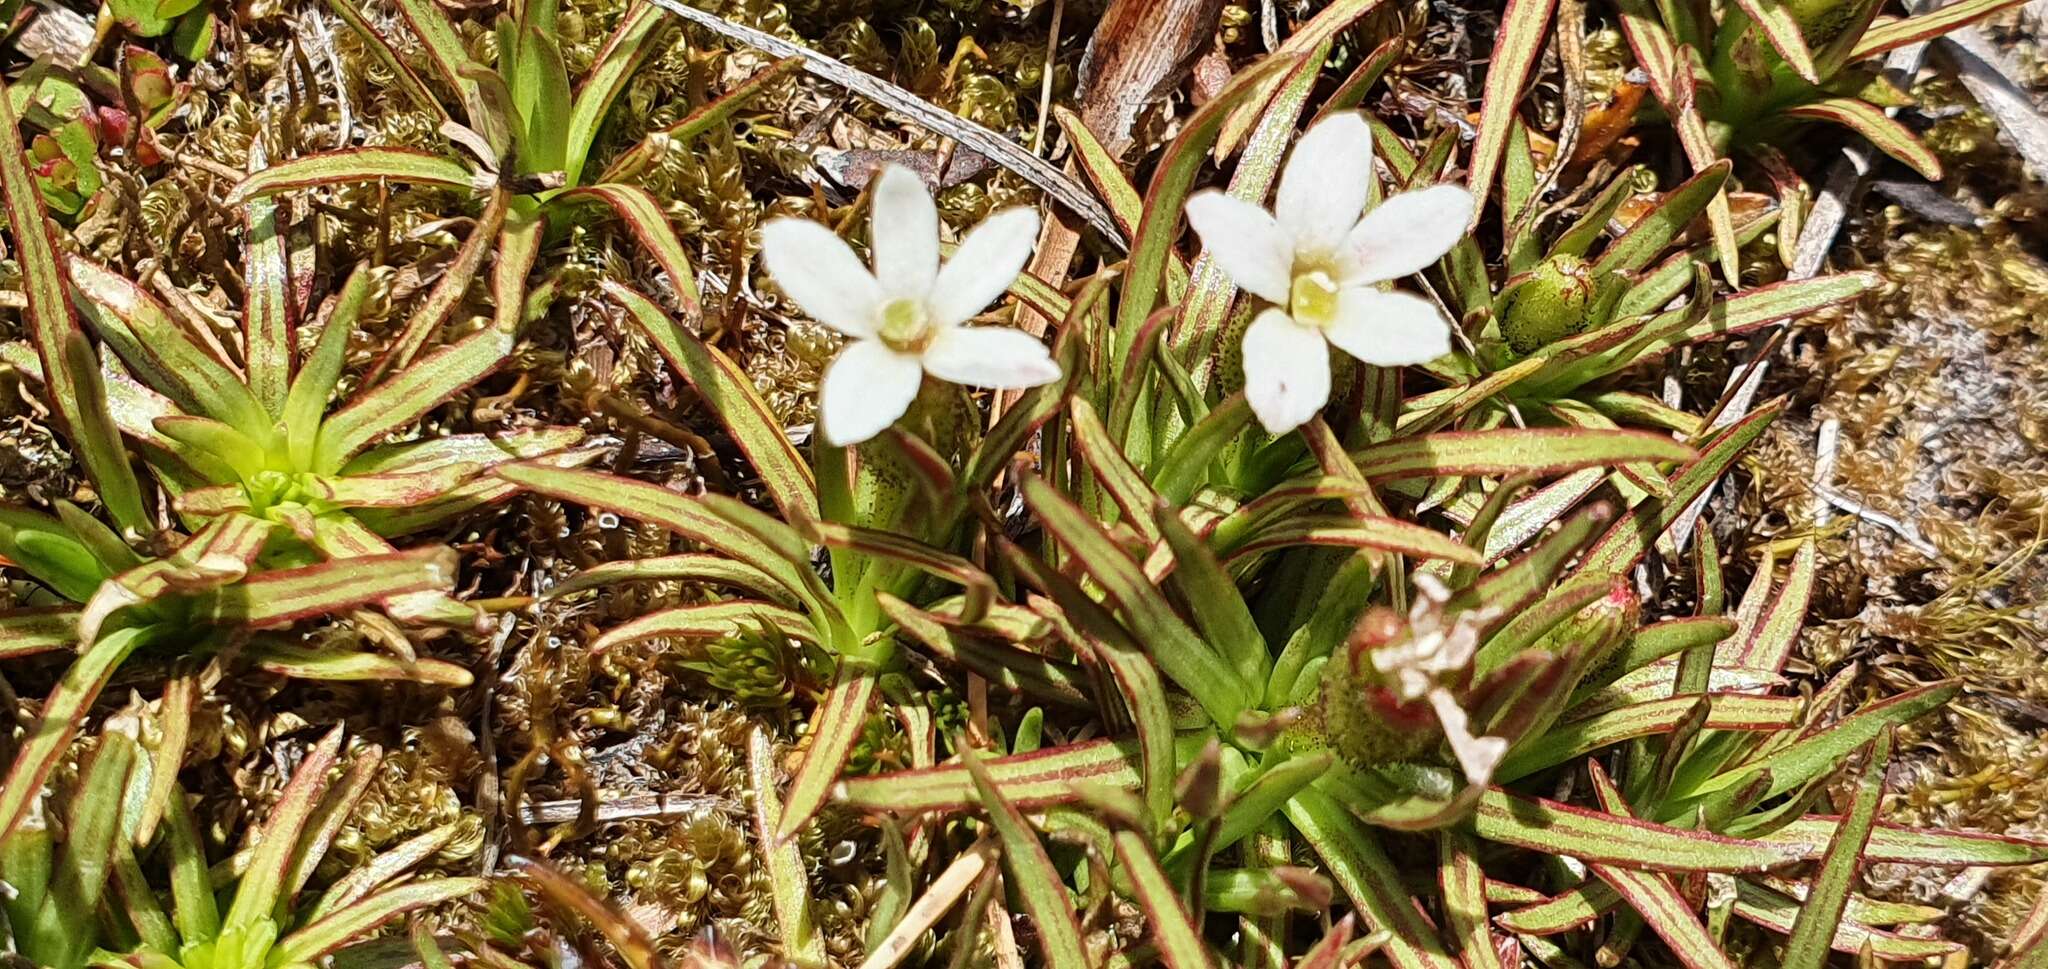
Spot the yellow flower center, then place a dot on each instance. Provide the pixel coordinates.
(905, 327)
(1313, 300)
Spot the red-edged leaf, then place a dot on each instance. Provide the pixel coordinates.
(1031, 781)
(1549, 826)
(434, 308)
(788, 881)
(1031, 871)
(409, 394)
(836, 726)
(1825, 904)
(1516, 47)
(1357, 864)
(1871, 122)
(644, 219)
(1893, 34)
(730, 394)
(350, 166)
(1655, 897)
(711, 619)
(634, 161)
(269, 316)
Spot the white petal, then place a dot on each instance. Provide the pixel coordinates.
(1324, 187)
(1406, 233)
(1477, 755)
(1246, 242)
(904, 234)
(990, 356)
(985, 265)
(1388, 329)
(1286, 371)
(819, 271)
(866, 388)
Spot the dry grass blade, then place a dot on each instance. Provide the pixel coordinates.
(951, 885)
(989, 144)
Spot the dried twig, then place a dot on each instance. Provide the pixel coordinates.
(630, 807)
(1990, 77)
(1001, 150)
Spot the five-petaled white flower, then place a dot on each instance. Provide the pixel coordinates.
(905, 317)
(1319, 262)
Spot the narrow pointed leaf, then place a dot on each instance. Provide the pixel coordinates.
(409, 394)
(644, 218)
(1814, 929)
(352, 166)
(1031, 872)
(836, 727)
(1030, 781)
(1544, 825)
(1516, 47)
(1868, 120)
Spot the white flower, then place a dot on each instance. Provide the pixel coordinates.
(1319, 262)
(905, 317)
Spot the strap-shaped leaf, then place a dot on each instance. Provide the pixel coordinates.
(1103, 173)
(26, 632)
(1030, 781)
(1549, 826)
(283, 597)
(992, 656)
(482, 450)
(263, 884)
(727, 390)
(635, 161)
(1775, 911)
(1113, 471)
(268, 315)
(1514, 451)
(1192, 664)
(630, 44)
(647, 224)
(1868, 120)
(682, 514)
(434, 308)
(1356, 862)
(1670, 72)
(352, 166)
(1516, 47)
(380, 47)
(1353, 531)
(349, 666)
(306, 402)
(1814, 929)
(1158, 896)
(1893, 34)
(1820, 752)
(308, 944)
(627, 936)
(1724, 711)
(1624, 543)
(836, 726)
(142, 333)
(1915, 846)
(1464, 887)
(710, 619)
(410, 393)
(1658, 228)
(74, 391)
(1662, 907)
(443, 45)
(1307, 38)
(686, 567)
(221, 553)
(1781, 28)
(788, 879)
(1031, 872)
(62, 715)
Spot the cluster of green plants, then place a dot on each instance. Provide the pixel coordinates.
(1297, 655)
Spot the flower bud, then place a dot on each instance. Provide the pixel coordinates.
(1362, 717)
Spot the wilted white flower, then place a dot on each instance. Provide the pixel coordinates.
(1320, 264)
(1437, 650)
(905, 317)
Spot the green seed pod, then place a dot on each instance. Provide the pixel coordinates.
(1598, 631)
(1561, 297)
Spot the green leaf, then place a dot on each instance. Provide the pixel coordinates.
(1306, 39)
(1663, 908)
(1464, 888)
(1548, 826)
(433, 310)
(1815, 928)
(1356, 862)
(836, 726)
(1516, 47)
(283, 597)
(1031, 872)
(1781, 28)
(686, 567)
(627, 936)
(630, 44)
(92, 829)
(1778, 912)
(1030, 781)
(221, 553)
(480, 450)
(1113, 471)
(44, 548)
(730, 394)
(352, 166)
(1218, 607)
(1617, 551)
(1658, 228)
(1513, 451)
(408, 395)
(1175, 174)
(1106, 176)
(1354, 531)
(26, 632)
(1192, 664)
(263, 883)
(1574, 739)
(682, 514)
(380, 47)
(306, 402)
(1868, 120)
(442, 43)
(1894, 34)
(349, 666)
(1173, 930)
(788, 880)
(307, 945)
(645, 220)
(1915, 846)
(540, 93)
(710, 619)
(1822, 751)
(1187, 463)
(268, 317)
(633, 162)
(142, 333)
(993, 655)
